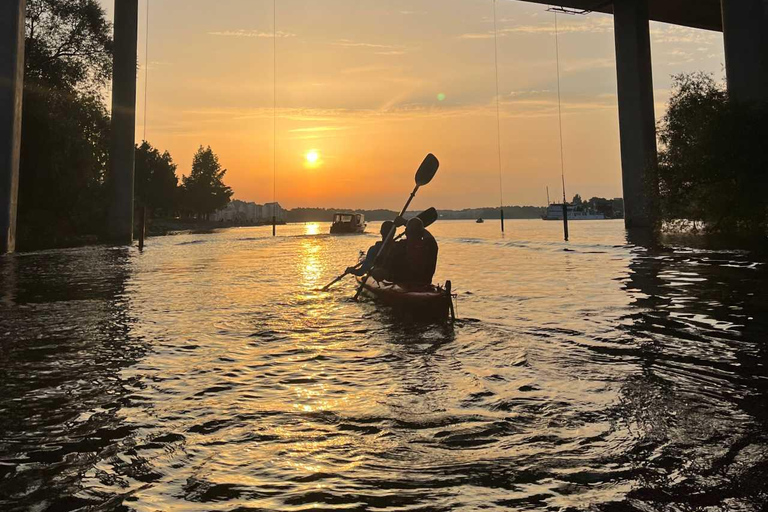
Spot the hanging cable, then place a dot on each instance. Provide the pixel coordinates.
(146, 70)
(274, 117)
(498, 114)
(560, 122)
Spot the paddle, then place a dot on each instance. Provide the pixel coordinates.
(428, 217)
(424, 175)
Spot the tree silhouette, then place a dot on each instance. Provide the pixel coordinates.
(713, 167)
(65, 125)
(204, 188)
(156, 184)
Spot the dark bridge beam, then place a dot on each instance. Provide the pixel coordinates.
(745, 29)
(637, 120)
(703, 14)
(122, 154)
(11, 90)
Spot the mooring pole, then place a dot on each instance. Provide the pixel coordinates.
(142, 226)
(502, 220)
(565, 220)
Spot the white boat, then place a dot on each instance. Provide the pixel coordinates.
(555, 212)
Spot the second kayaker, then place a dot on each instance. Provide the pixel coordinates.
(414, 259)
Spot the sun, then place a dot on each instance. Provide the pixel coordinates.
(312, 157)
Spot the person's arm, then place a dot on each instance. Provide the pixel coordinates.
(365, 265)
(432, 244)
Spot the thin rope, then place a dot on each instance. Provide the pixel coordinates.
(498, 108)
(274, 115)
(146, 70)
(559, 108)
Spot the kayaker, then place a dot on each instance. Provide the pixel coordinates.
(363, 267)
(415, 259)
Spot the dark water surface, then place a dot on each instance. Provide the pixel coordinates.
(208, 373)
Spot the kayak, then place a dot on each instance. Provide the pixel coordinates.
(420, 302)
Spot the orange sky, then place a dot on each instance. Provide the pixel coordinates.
(372, 86)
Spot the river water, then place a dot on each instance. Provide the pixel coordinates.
(209, 373)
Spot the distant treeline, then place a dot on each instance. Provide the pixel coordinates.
(510, 212)
(326, 214)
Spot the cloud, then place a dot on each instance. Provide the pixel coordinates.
(485, 35)
(390, 49)
(320, 129)
(574, 65)
(591, 25)
(250, 33)
(529, 92)
(677, 34)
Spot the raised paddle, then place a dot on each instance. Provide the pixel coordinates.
(428, 217)
(424, 175)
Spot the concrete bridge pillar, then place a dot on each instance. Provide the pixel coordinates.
(745, 32)
(120, 225)
(11, 91)
(637, 121)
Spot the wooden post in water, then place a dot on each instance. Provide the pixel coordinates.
(142, 226)
(565, 220)
(274, 225)
(502, 219)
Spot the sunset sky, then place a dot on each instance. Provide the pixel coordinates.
(372, 86)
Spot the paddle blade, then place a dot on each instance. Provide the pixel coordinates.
(427, 170)
(428, 217)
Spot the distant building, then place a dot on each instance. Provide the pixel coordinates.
(275, 209)
(241, 212)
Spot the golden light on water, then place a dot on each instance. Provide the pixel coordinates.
(312, 228)
(311, 267)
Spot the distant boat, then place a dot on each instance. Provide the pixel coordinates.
(348, 223)
(479, 221)
(555, 212)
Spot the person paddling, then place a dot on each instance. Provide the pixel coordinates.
(365, 265)
(415, 259)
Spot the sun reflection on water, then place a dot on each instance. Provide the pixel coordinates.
(310, 264)
(312, 228)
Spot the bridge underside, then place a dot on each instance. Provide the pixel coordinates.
(704, 14)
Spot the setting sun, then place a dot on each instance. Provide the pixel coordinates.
(312, 157)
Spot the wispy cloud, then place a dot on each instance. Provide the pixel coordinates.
(314, 129)
(250, 33)
(387, 49)
(678, 34)
(595, 25)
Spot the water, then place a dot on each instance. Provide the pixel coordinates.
(209, 373)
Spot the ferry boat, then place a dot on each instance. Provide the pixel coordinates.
(348, 223)
(555, 212)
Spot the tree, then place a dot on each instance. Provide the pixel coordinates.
(156, 184)
(65, 126)
(713, 167)
(577, 200)
(204, 188)
(68, 45)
